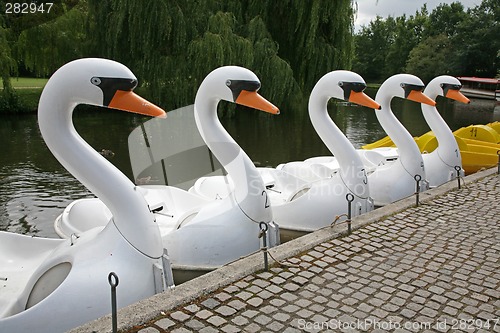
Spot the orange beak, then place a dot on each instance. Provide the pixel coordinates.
(457, 96)
(420, 97)
(130, 101)
(254, 100)
(363, 99)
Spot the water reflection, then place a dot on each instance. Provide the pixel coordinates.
(34, 188)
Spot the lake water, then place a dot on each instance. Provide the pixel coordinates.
(34, 188)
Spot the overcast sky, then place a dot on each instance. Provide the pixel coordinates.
(369, 9)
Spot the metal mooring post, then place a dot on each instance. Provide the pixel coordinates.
(113, 282)
(417, 178)
(350, 198)
(263, 234)
(498, 166)
(458, 169)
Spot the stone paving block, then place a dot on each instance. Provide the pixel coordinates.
(316, 308)
(216, 320)
(208, 330)
(241, 284)
(390, 307)
(253, 289)
(210, 303)
(280, 316)
(237, 304)
(195, 324)
(204, 314)
(165, 323)
(244, 295)
(428, 312)
(192, 308)
(265, 294)
(149, 330)
(229, 328)
(277, 280)
(255, 301)
(181, 330)
(239, 320)
(450, 311)
(252, 327)
(275, 326)
(264, 275)
(262, 319)
(225, 311)
(179, 316)
(304, 313)
(222, 297)
(291, 286)
(289, 297)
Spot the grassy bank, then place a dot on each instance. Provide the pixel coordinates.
(25, 99)
(19, 83)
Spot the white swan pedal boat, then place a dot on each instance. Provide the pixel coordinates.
(53, 285)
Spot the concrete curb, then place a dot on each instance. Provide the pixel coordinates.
(148, 309)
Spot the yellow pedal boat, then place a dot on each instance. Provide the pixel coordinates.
(479, 145)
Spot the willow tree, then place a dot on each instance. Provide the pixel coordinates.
(8, 98)
(7, 63)
(45, 47)
(172, 45)
(314, 36)
(146, 36)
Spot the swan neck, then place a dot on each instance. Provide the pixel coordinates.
(330, 134)
(444, 135)
(235, 161)
(352, 172)
(131, 214)
(407, 148)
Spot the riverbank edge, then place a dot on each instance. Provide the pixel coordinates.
(151, 308)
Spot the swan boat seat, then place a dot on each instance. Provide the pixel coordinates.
(172, 210)
(20, 258)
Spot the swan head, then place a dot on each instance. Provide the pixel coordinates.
(345, 85)
(236, 85)
(446, 86)
(99, 82)
(405, 86)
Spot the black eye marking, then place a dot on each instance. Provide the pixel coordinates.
(449, 86)
(110, 85)
(408, 88)
(351, 86)
(237, 86)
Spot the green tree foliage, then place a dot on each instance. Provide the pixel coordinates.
(405, 34)
(44, 48)
(7, 62)
(314, 36)
(477, 42)
(445, 19)
(171, 45)
(8, 98)
(372, 46)
(449, 40)
(430, 57)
